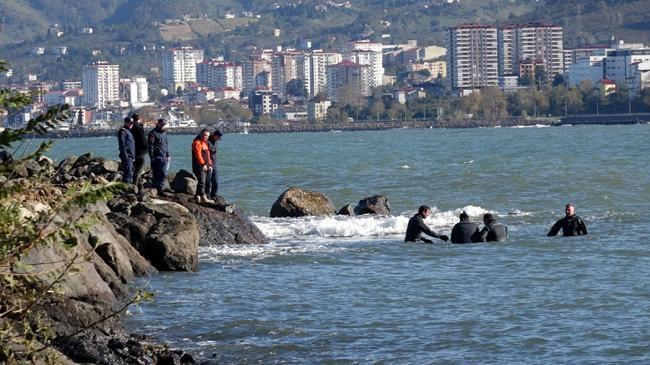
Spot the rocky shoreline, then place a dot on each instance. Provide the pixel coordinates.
(297, 127)
(133, 235)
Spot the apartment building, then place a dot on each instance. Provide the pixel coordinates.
(472, 57)
(101, 84)
(219, 75)
(367, 53)
(257, 73)
(348, 79)
(534, 41)
(179, 66)
(134, 91)
(319, 61)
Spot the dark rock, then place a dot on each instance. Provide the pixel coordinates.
(101, 166)
(66, 165)
(33, 167)
(217, 226)
(114, 256)
(346, 210)
(184, 182)
(6, 157)
(295, 202)
(376, 204)
(172, 244)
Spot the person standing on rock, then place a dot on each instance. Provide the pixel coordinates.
(159, 155)
(201, 164)
(493, 231)
(127, 150)
(417, 226)
(141, 148)
(212, 181)
(571, 224)
(464, 231)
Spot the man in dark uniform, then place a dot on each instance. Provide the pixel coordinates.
(417, 226)
(212, 181)
(159, 155)
(464, 231)
(492, 231)
(140, 148)
(127, 150)
(571, 224)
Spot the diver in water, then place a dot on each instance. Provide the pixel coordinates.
(464, 231)
(492, 231)
(417, 226)
(571, 224)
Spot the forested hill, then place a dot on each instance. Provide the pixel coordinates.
(584, 20)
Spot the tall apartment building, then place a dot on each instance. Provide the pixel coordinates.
(619, 63)
(134, 91)
(577, 55)
(220, 75)
(348, 78)
(101, 84)
(289, 65)
(526, 42)
(179, 66)
(472, 57)
(318, 63)
(257, 73)
(367, 53)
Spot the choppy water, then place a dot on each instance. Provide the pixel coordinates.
(347, 290)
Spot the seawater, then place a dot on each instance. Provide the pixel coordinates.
(348, 290)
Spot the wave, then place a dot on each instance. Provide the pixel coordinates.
(531, 126)
(357, 226)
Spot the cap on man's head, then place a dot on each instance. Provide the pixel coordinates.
(463, 216)
(128, 120)
(488, 217)
(135, 117)
(162, 121)
(217, 133)
(423, 208)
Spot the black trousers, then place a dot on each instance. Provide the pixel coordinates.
(138, 165)
(200, 178)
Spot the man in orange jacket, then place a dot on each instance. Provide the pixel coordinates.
(201, 164)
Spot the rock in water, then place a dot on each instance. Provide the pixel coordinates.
(296, 202)
(376, 204)
(346, 210)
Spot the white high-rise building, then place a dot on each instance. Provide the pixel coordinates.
(618, 64)
(134, 91)
(472, 58)
(528, 42)
(179, 66)
(257, 73)
(319, 61)
(220, 75)
(289, 65)
(368, 53)
(101, 84)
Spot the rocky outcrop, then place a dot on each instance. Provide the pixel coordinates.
(295, 202)
(348, 209)
(376, 204)
(218, 224)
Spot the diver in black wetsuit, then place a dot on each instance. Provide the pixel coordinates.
(492, 231)
(571, 224)
(464, 231)
(417, 226)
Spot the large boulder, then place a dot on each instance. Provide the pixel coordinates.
(184, 182)
(172, 241)
(220, 222)
(376, 204)
(295, 202)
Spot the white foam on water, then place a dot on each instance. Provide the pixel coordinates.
(531, 126)
(406, 166)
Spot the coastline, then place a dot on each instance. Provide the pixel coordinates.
(296, 127)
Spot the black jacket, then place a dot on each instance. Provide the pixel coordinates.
(494, 232)
(140, 139)
(126, 144)
(571, 226)
(416, 227)
(213, 151)
(465, 232)
(158, 146)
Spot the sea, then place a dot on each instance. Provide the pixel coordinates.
(348, 290)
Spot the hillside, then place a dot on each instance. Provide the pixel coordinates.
(125, 30)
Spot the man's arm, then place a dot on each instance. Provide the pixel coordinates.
(482, 236)
(428, 231)
(152, 138)
(555, 229)
(582, 227)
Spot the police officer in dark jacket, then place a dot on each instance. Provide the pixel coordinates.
(127, 150)
(212, 181)
(141, 148)
(159, 155)
(464, 231)
(417, 226)
(493, 231)
(571, 224)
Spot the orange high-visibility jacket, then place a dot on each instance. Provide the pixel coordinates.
(200, 153)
